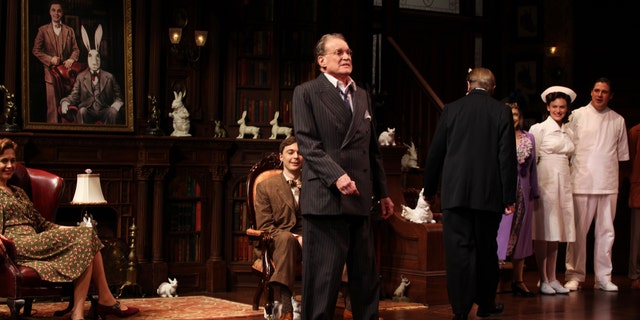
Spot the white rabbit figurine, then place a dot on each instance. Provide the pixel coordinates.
(410, 159)
(180, 115)
(278, 130)
(387, 138)
(245, 129)
(219, 131)
(398, 295)
(421, 213)
(168, 289)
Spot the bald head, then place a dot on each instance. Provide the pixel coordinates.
(481, 78)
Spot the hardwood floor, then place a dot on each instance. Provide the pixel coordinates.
(585, 304)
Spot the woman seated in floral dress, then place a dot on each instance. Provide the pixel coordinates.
(57, 253)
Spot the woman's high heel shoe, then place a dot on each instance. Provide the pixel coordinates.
(518, 290)
(115, 310)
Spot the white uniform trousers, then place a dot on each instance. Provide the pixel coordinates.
(586, 207)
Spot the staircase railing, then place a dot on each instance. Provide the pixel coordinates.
(409, 103)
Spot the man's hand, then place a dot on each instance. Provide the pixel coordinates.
(117, 105)
(510, 209)
(68, 63)
(386, 205)
(347, 186)
(65, 107)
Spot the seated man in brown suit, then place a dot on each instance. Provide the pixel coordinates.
(277, 212)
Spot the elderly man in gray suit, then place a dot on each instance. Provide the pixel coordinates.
(474, 147)
(333, 123)
(277, 212)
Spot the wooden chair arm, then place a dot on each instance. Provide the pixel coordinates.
(254, 233)
(9, 271)
(263, 239)
(10, 248)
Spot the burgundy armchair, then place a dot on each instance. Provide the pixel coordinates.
(21, 284)
(63, 81)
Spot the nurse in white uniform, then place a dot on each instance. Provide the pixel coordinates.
(553, 220)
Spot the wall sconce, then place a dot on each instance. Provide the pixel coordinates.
(552, 51)
(186, 52)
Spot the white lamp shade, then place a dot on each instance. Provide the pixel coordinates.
(88, 190)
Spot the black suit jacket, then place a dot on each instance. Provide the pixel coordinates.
(474, 149)
(333, 143)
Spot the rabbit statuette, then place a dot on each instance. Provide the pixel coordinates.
(421, 213)
(180, 115)
(387, 138)
(277, 130)
(168, 289)
(410, 158)
(245, 129)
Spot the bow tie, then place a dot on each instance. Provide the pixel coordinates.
(295, 183)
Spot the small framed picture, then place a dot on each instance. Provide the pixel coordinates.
(527, 23)
(525, 76)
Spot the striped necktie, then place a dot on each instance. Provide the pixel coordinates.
(345, 98)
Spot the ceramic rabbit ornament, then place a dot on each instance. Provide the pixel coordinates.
(168, 289)
(180, 115)
(421, 213)
(410, 159)
(277, 130)
(387, 138)
(245, 129)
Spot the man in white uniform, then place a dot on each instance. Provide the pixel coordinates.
(601, 142)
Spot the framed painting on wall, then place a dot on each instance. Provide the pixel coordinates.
(77, 66)
(527, 23)
(525, 76)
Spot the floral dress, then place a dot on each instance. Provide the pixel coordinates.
(57, 254)
(514, 235)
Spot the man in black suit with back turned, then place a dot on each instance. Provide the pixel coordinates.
(474, 149)
(333, 124)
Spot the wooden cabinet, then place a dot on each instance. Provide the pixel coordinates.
(415, 251)
(269, 54)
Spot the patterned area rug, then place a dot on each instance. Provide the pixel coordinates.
(193, 308)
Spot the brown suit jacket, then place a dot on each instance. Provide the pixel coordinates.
(278, 213)
(46, 47)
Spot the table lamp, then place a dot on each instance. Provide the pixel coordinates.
(88, 192)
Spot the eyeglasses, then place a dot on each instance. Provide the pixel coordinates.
(341, 52)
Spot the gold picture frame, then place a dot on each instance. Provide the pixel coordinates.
(114, 47)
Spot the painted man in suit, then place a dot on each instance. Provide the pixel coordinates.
(474, 150)
(55, 44)
(332, 118)
(277, 212)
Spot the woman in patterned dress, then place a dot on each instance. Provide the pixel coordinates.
(553, 217)
(57, 253)
(514, 234)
